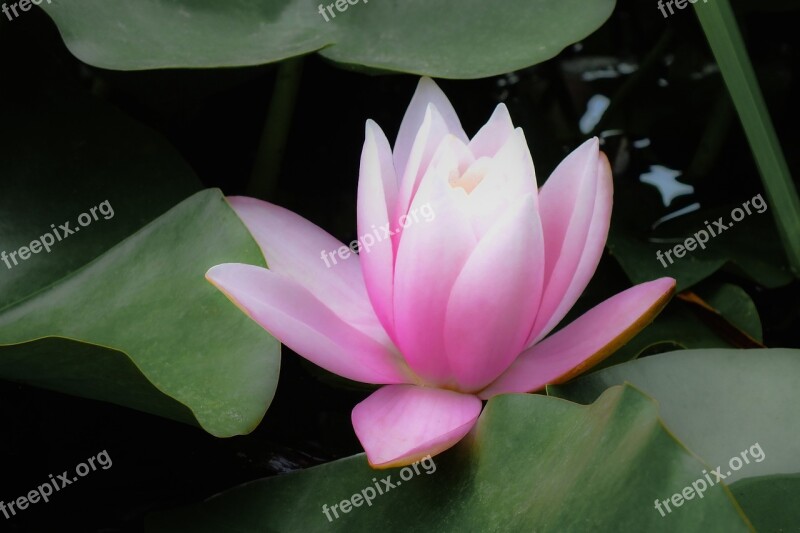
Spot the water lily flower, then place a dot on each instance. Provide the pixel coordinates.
(453, 311)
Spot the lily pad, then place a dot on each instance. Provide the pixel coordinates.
(118, 309)
(532, 463)
(464, 39)
(718, 402)
(770, 502)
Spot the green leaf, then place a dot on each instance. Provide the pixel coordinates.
(63, 154)
(717, 402)
(121, 311)
(147, 301)
(533, 463)
(465, 39)
(734, 305)
(725, 39)
(770, 502)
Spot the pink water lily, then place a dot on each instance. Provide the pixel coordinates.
(451, 311)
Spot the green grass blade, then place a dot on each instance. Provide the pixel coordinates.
(722, 32)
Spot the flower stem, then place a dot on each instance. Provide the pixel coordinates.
(266, 168)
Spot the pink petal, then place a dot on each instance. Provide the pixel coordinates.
(575, 206)
(494, 134)
(429, 259)
(300, 321)
(427, 93)
(377, 196)
(494, 301)
(306, 253)
(432, 132)
(400, 424)
(585, 342)
(511, 177)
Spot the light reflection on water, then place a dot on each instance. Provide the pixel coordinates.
(666, 181)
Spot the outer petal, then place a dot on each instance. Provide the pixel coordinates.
(429, 259)
(586, 341)
(298, 249)
(400, 424)
(575, 206)
(377, 196)
(495, 298)
(304, 324)
(427, 93)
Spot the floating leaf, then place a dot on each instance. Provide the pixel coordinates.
(533, 463)
(717, 402)
(119, 310)
(465, 39)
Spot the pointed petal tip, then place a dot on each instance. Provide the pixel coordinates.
(211, 274)
(589, 145)
(426, 80)
(374, 136)
(216, 273)
(666, 285)
(220, 277)
(370, 126)
(501, 110)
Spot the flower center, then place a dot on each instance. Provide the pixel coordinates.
(472, 177)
